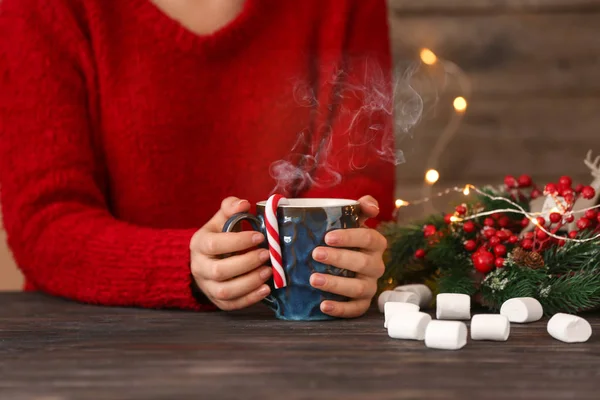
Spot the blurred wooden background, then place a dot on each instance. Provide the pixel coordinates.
(533, 67)
(534, 105)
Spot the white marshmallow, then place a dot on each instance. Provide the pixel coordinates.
(392, 308)
(404, 297)
(494, 327)
(424, 293)
(454, 306)
(446, 335)
(411, 325)
(522, 310)
(569, 328)
(383, 298)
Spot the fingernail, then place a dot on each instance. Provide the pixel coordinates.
(326, 307)
(375, 205)
(320, 254)
(241, 202)
(263, 291)
(265, 273)
(318, 280)
(264, 255)
(332, 238)
(257, 238)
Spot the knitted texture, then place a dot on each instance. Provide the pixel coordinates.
(121, 132)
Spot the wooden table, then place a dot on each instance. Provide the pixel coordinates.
(55, 349)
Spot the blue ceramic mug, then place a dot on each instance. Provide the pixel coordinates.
(303, 224)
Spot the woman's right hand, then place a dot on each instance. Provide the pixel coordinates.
(238, 280)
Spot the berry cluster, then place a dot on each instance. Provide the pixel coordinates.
(490, 239)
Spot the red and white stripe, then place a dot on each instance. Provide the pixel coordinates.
(273, 238)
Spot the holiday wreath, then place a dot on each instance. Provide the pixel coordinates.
(495, 246)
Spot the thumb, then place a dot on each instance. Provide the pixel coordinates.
(229, 206)
(369, 208)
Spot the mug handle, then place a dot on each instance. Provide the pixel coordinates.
(255, 223)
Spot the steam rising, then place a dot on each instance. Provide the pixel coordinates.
(359, 114)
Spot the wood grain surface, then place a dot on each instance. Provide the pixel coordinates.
(55, 349)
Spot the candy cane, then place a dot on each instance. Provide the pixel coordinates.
(273, 238)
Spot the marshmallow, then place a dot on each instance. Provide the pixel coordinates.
(404, 297)
(494, 327)
(445, 335)
(453, 306)
(383, 298)
(392, 308)
(522, 309)
(569, 328)
(411, 325)
(424, 293)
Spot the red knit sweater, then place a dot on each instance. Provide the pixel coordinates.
(121, 131)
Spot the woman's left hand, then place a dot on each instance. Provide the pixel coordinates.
(366, 262)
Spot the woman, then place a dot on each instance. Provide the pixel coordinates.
(125, 123)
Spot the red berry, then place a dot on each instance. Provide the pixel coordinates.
(562, 242)
(429, 230)
(504, 222)
(489, 222)
(494, 240)
(541, 235)
(570, 218)
(513, 239)
(469, 227)
(499, 262)
(462, 210)
(555, 217)
(503, 234)
(541, 221)
(483, 261)
(420, 253)
(510, 181)
(527, 244)
(550, 188)
(591, 214)
(470, 245)
(569, 197)
(598, 218)
(528, 235)
(588, 192)
(489, 232)
(524, 222)
(448, 218)
(535, 193)
(579, 188)
(583, 223)
(566, 192)
(500, 250)
(525, 181)
(565, 182)
(573, 234)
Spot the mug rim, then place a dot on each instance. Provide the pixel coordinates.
(312, 202)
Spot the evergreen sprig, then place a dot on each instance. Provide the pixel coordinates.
(568, 281)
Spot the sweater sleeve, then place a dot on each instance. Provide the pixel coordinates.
(354, 133)
(53, 196)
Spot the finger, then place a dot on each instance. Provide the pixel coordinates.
(353, 288)
(240, 286)
(229, 206)
(369, 264)
(369, 207)
(362, 238)
(219, 243)
(350, 309)
(245, 301)
(221, 270)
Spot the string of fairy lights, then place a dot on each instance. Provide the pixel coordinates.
(532, 216)
(432, 176)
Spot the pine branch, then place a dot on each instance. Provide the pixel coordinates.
(572, 293)
(510, 282)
